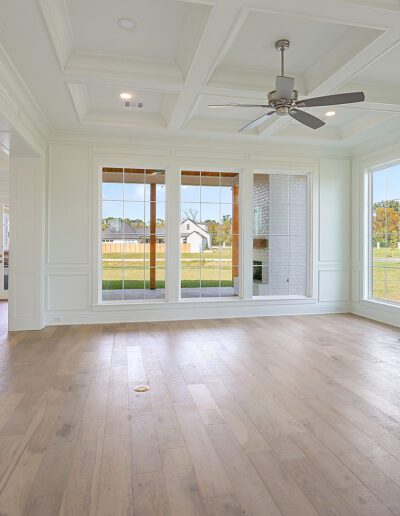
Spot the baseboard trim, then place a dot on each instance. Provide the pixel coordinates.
(166, 313)
(377, 312)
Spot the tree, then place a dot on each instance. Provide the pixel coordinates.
(213, 230)
(226, 229)
(135, 223)
(395, 205)
(386, 226)
(191, 214)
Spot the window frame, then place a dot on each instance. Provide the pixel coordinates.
(240, 296)
(97, 219)
(173, 169)
(310, 177)
(367, 237)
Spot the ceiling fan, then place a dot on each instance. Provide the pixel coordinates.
(283, 100)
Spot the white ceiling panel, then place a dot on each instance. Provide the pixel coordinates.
(159, 25)
(254, 47)
(106, 98)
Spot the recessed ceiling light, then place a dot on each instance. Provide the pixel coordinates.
(125, 96)
(330, 113)
(126, 23)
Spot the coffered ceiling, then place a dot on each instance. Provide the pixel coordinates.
(182, 55)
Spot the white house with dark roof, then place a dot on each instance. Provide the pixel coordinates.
(196, 235)
(118, 231)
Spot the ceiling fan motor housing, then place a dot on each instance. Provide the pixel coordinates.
(282, 106)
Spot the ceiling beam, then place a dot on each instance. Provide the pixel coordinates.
(224, 22)
(58, 23)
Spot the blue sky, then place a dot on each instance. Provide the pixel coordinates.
(134, 206)
(386, 184)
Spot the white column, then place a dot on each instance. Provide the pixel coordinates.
(27, 216)
(172, 263)
(246, 230)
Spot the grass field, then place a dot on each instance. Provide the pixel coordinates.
(196, 268)
(386, 274)
(386, 253)
(213, 253)
(205, 267)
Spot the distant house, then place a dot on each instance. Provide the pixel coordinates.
(191, 232)
(196, 235)
(118, 231)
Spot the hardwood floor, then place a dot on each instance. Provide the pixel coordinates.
(294, 416)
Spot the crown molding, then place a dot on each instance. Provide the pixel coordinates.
(189, 144)
(156, 75)
(19, 107)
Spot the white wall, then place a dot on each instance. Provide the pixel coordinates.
(27, 188)
(334, 254)
(24, 132)
(73, 230)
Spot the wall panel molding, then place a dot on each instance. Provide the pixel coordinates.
(75, 167)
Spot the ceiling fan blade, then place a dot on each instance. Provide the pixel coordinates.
(256, 122)
(284, 87)
(332, 100)
(306, 119)
(238, 105)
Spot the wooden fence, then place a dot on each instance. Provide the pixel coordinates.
(129, 247)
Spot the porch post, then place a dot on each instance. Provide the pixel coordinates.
(153, 206)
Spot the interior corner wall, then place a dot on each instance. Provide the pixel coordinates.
(72, 229)
(27, 217)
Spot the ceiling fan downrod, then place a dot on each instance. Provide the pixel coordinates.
(281, 45)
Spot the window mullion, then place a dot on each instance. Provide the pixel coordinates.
(246, 233)
(172, 257)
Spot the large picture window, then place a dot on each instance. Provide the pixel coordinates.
(280, 235)
(133, 234)
(209, 234)
(384, 270)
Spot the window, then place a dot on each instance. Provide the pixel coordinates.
(209, 234)
(280, 235)
(133, 234)
(384, 270)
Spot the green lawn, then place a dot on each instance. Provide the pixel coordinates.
(196, 267)
(213, 253)
(386, 274)
(386, 252)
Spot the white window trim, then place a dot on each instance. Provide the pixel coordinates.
(240, 297)
(173, 169)
(367, 251)
(311, 280)
(96, 229)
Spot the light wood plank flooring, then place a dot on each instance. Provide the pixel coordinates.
(294, 416)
